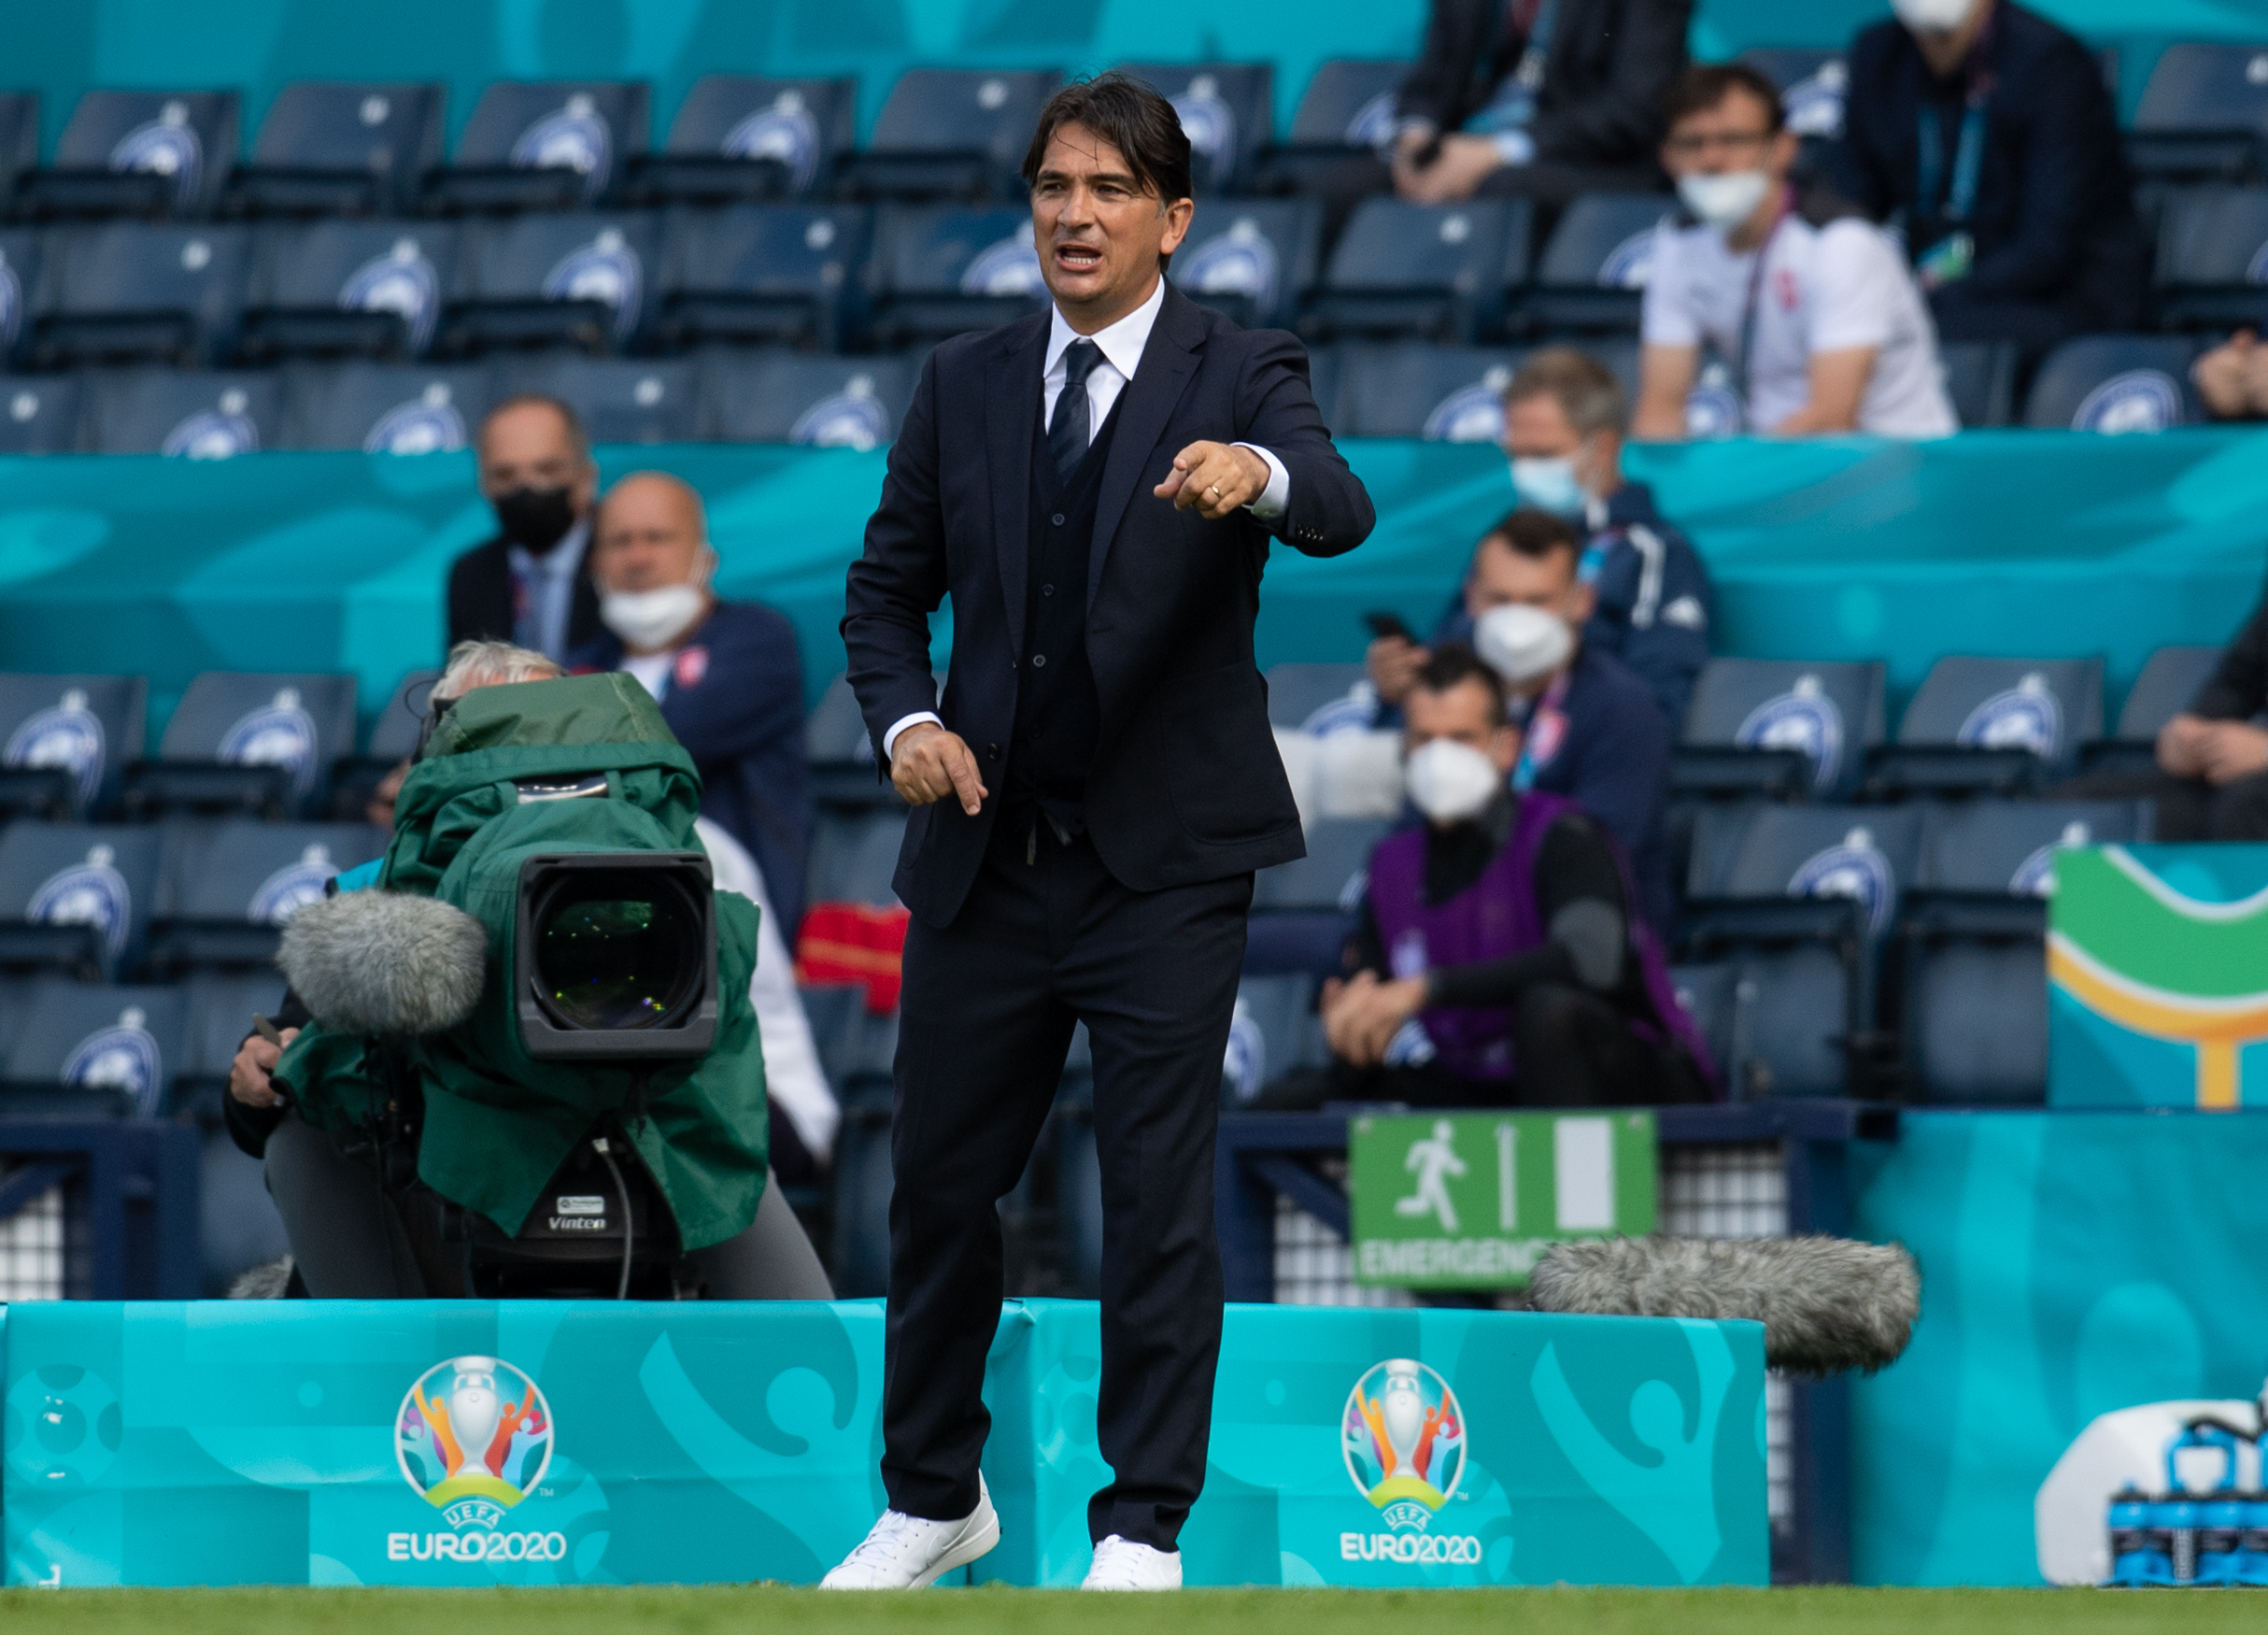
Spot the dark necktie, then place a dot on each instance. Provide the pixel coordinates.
(1067, 434)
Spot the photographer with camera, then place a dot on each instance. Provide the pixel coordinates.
(526, 1062)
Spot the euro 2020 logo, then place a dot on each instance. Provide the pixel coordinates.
(477, 1429)
(1403, 1434)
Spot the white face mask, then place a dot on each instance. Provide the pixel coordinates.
(1451, 782)
(1725, 201)
(1549, 485)
(652, 618)
(1931, 16)
(1521, 644)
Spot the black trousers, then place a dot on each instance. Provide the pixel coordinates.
(2187, 808)
(987, 1017)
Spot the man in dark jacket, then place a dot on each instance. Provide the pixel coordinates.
(1989, 130)
(727, 674)
(526, 586)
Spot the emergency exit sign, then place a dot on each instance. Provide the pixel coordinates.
(1474, 1200)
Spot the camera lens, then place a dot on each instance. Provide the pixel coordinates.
(616, 952)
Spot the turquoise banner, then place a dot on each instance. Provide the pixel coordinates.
(473, 1444)
(2042, 544)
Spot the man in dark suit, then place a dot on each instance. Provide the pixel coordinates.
(1097, 490)
(526, 586)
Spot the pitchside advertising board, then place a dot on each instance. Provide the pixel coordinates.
(1474, 1200)
(586, 1443)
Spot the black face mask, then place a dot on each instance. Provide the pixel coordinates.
(537, 519)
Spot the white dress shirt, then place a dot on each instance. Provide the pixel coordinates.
(545, 587)
(1122, 345)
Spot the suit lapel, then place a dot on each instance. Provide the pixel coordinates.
(1011, 421)
(1168, 360)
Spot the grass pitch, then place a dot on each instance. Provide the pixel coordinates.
(750, 1610)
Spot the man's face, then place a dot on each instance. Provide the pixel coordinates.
(1461, 714)
(1502, 576)
(1538, 428)
(649, 533)
(1097, 233)
(528, 446)
(1735, 135)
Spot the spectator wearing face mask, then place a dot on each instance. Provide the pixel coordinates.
(1563, 421)
(527, 585)
(727, 674)
(1809, 318)
(1498, 962)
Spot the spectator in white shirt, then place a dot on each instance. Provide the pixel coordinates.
(1813, 320)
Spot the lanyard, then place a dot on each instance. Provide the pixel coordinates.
(1548, 722)
(1532, 59)
(1969, 156)
(1749, 309)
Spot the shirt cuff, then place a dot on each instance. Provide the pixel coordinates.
(1515, 147)
(1278, 494)
(890, 739)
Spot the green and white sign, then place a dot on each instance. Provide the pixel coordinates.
(1474, 1200)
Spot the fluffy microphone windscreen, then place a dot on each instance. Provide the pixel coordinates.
(387, 962)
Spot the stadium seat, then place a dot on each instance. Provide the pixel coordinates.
(950, 134)
(1972, 947)
(66, 741)
(21, 250)
(621, 400)
(2212, 259)
(1795, 898)
(150, 153)
(1812, 85)
(1346, 113)
(330, 148)
(1303, 912)
(383, 408)
(852, 856)
(40, 414)
(393, 739)
(1227, 111)
(1445, 394)
(1319, 698)
(75, 898)
(1779, 727)
(553, 145)
(130, 291)
(93, 1052)
(791, 274)
(943, 270)
(246, 744)
(190, 413)
(861, 1262)
(1434, 272)
(842, 756)
(1991, 726)
(1592, 274)
(738, 139)
(1722, 1003)
(1252, 259)
(2115, 383)
(218, 1008)
(2204, 114)
(579, 281)
(1273, 1034)
(785, 397)
(2166, 687)
(1981, 378)
(19, 138)
(346, 288)
(224, 892)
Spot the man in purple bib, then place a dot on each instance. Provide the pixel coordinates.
(1498, 962)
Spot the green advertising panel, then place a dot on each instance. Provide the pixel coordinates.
(1474, 1200)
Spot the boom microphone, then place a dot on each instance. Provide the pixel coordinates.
(1826, 1303)
(385, 962)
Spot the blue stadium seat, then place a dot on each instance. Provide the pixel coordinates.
(346, 288)
(1273, 1032)
(75, 898)
(1445, 394)
(237, 1224)
(19, 137)
(861, 1262)
(1972, 950)
(852, 856)
(130, 291)
(1981, 378)
(579, 281)
(1345, 115)
(1434, 272)
(21, 250)
(2166, 686)
(2204, 114)
(190, 413)
(942, 270)
(2212, 259)
(94, 1052)
(1812, 86)
(383, 408)
(1303, 912)
(226, 890)
(218, 1009)
(787, 397)
(1779, 726)
(1722, 1003)
(331, 147)
(621, 400)
(791, 274)
(1252, 259)
(842, 756)
(67, 740)
(393, 739)
(1319, 698)
(738, 139)
(40, 414)
(2115, 383)
(246, 744)
(150, 153)
(1592, 274)
(951, 134)
(551, 145)
(1227, 111)
(1991, 726)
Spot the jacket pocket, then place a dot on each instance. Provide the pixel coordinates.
(1220, 754)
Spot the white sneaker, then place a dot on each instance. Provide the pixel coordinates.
(907, 1552)
(1123, 1564)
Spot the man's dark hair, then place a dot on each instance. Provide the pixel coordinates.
(1536, 534)
(1453, 664)
(572, 421)
(1132, 118)
(1705, 85)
